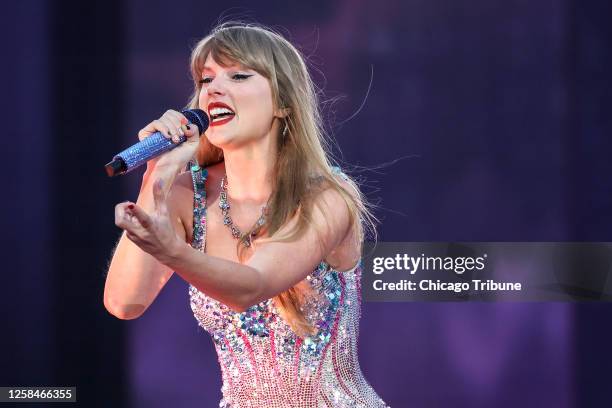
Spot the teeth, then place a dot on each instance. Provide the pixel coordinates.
(219, 111)
(218, 118)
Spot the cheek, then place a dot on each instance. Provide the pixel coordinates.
(258, 97)
(202, 100)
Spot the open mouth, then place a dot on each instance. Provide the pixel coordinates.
(220, 113)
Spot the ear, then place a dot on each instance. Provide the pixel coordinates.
(282, 112)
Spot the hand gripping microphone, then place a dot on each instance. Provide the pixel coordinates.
(152, 146)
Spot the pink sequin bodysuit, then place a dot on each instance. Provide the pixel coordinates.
(264, 364)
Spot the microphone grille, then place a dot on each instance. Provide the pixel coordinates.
(198, 117)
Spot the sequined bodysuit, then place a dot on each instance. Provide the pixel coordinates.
(264, 364)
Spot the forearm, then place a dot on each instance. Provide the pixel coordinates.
(135, 277)
(232, 283)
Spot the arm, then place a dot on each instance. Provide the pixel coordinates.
(274, 266)
(134, 277)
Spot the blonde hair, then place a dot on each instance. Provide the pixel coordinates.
(303, 167)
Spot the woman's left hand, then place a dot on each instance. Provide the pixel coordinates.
(153, 233)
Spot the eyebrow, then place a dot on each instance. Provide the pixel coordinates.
(235, 66)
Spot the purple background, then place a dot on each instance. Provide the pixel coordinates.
(502, 107)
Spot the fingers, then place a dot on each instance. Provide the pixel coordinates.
(190, 130)
(130, 217)
(172, 125)
(120, 214)
(138, 214)
(173, 121)
(156, 126)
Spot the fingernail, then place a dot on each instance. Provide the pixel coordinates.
(131, 206)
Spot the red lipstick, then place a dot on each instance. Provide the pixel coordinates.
(220, 113)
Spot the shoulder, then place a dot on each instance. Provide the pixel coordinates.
(332, 212)
(328, 202)
(184, 182)
(339, 209)
(334, 193)
(181, 192)
(180, 202)
(181, 196)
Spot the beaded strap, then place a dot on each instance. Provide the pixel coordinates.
(198, 176)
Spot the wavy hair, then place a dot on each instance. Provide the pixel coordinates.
(304, 164)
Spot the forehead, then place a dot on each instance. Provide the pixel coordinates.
(210, 64)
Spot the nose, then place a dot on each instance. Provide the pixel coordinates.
(214, 87)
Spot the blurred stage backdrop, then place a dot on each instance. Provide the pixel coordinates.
(501, 108)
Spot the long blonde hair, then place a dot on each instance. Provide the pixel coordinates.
(303, 167)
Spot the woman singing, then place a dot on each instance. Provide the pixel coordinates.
(264, 229)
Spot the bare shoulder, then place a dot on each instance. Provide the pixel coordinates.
(180, 204)
(181, 196)
(180, 190)
(181, 193)
(333, 209)
(331, 199)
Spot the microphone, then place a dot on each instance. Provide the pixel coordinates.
(152, 146)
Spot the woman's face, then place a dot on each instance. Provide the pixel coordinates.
(239, 104)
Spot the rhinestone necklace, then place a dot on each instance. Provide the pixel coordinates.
(227, 219)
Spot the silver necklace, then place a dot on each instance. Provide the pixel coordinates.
(227, 219)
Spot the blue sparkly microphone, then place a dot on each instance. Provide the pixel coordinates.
(152, 146)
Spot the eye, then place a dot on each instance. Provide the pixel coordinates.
(206, 80)
(240, 77)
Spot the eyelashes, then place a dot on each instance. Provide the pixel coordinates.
(234, 77)
(240, 77)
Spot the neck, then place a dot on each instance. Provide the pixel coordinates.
(249, 172)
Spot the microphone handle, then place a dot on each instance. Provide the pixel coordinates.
(153, 146)
(138, 154)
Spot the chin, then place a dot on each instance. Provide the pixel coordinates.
(221, 140)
